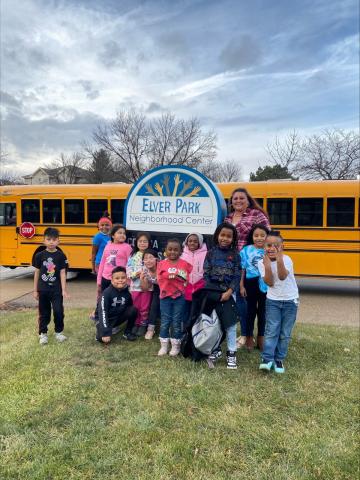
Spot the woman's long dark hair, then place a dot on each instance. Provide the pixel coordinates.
(249, 238)
(252, 202)
(229, 226)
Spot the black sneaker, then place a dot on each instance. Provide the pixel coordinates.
(231, 360)
(130, 337)
(215, 355)
(141, 330)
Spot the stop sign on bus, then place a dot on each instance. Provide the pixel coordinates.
(27, 230)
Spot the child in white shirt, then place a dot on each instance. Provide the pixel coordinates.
(282, 301)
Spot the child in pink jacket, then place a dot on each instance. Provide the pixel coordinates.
(194, 252)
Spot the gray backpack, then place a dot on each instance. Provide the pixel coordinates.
(207, 333)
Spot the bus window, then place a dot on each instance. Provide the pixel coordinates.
(280, 211)
(260, 201)
(51, 211)
(30, 211)
(117, 211)
(309, 212)
(7, 214)
(340, 212)
(74, 211)
(96, 209)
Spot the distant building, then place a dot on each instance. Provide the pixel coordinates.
(46, 176)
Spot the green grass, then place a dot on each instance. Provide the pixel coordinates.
(80, 410)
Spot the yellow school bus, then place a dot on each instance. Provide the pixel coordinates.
(318, 220)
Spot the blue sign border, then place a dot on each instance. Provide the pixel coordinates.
(220, 201)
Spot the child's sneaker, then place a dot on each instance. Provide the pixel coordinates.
(141, 330)
(92, 316)
(279, 367)
(264, 365)
(130, 337)
(231, 360)
(115, 330)
(150, 332)
(215, 355)
(60, 337)
(43, 339)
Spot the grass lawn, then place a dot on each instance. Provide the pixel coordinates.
(80, 410)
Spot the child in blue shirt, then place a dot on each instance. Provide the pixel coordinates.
(252, 285)
(99, 242)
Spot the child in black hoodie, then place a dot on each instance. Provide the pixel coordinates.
(115, 306)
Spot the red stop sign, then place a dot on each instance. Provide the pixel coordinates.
(27, 230)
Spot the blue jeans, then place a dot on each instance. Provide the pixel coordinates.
(231, 338)
(280, 319)
(172, 315)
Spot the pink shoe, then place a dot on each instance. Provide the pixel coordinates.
(150, 332)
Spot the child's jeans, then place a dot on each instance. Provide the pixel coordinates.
(172, 315)
(280, 319)
(231, 338)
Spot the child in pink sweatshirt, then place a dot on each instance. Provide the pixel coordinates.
(194, 253)
(116, 254)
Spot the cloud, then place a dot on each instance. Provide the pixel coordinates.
(91, 92)
(241, 52)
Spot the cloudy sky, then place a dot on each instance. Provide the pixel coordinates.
(249, 69)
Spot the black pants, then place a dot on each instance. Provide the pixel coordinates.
(129, 316)
(255, 307)
(154, 312)
(46, 301)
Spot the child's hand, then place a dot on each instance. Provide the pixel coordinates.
(106, 339)
(267, 261)
(65, 294)
(243, 291)
(279, 253)
(225, 296)
(36, 295)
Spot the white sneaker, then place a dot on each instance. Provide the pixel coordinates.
(60, 337)
(43, 339)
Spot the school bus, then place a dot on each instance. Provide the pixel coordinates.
(318, 220)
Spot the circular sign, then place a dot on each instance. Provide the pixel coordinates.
(174, 199)
(27, 230)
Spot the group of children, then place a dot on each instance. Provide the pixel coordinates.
(136, 287)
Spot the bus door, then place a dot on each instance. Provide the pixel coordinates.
(8, 234)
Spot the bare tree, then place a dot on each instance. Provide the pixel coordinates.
(230, 171)
(7, 176)
(68, 168)
(139, 144)
(333, 155)
(285, 152)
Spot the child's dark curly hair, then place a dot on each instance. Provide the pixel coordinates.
(228, 226)
(249, 238)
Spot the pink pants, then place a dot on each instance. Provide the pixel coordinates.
(142, 301)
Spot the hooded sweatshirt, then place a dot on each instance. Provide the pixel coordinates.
(196, 259)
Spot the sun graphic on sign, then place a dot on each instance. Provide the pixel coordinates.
(178, 186)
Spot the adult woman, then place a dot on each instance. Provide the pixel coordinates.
(245, 212)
